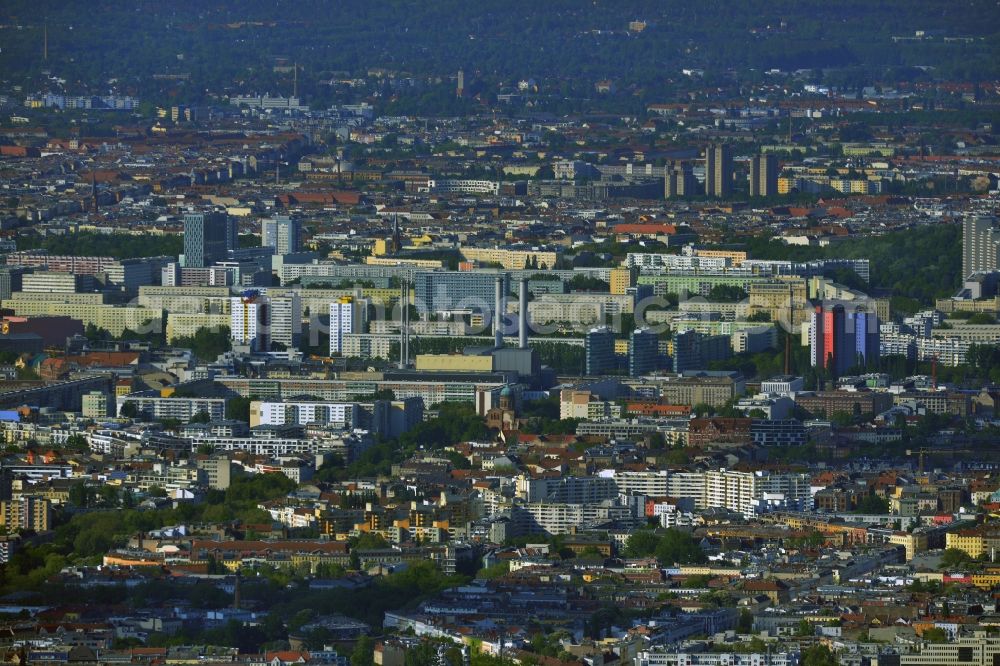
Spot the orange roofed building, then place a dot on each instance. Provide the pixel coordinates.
(645, 229)
(657, 409)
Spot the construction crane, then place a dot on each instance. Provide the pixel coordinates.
(922, 451)
(920, 464)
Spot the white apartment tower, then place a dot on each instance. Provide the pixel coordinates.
(250, 321)
(346, 316)
(286, 320)
(283, 233)
(980, 245)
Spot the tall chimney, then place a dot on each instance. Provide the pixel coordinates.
(498, 313)
(522, 315)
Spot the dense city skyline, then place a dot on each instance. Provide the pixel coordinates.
(474, 334)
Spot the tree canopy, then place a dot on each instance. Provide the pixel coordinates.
(93, 244)
(670, 547)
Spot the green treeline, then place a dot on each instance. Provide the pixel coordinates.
(107, 522)
(92, 244)
(924, 263)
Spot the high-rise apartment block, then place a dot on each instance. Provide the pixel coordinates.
(718, 170)
(694, 350)
(866, 337)
(764, 176)
(10, 280)
(622, 279)
(980, 245)
(53, 282)
(94, 405)
(599, 350)
(346, 316)
(283, 233)
(840, 338)
(127, 274)
(678, 181)
(208, 238)
(250, 320)
(643, 346)
(27, 513)
(457, 290)
(286, 320)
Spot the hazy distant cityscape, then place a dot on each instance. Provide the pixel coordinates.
(474, 334)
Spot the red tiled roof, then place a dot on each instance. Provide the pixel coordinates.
(648, 228)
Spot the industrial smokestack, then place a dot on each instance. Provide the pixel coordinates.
(522, 315)
(498, 313)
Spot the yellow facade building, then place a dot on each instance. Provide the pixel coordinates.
(510, 259)
(973, 542)
(453, 363)
(621, 279)
(184, 325)
(112, 318)
(783, 300)
(27, 513)
(398, 261)
(736, 257)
